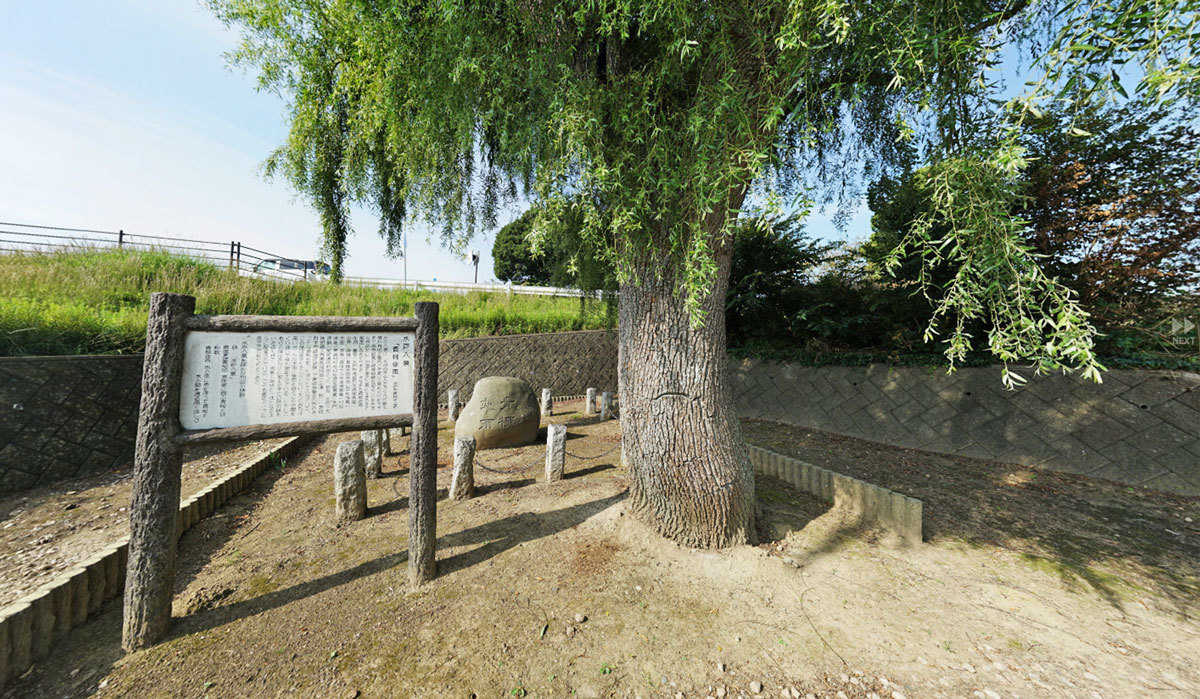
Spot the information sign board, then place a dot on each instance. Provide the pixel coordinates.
(231, 379)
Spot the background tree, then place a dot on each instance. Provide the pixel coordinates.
(655, 118)
(1117, 213)
(558, 255)
(1110, 202)
(773, 262)
(792, 296)
(513, 257)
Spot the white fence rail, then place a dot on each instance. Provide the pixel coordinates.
(24, 238)
(465, 287)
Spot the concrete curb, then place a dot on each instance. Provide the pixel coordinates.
(869, 503)
(29, 627)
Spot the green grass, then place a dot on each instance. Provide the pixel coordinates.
(95, 301)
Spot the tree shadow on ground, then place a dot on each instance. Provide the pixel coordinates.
(782, 509)
(583, 420)
(1094, 534)
(393, 505)
(486, 488)
(97, 642)
(580, 473)
(500, 535)
(211, 618)
(495, 537)
(541, 438)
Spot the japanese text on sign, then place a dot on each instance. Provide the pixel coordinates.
(232, 379)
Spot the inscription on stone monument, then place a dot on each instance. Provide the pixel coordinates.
(232, 379)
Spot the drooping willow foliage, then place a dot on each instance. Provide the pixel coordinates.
(657, 116)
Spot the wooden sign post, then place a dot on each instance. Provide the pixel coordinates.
(228, 378)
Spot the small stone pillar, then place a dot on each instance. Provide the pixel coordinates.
(556, 452)
(373, 452)
(547, 403)
(452, 403)
(387, 443)
(462, 483)
(349, 482)
(589, 405)
(605, 406)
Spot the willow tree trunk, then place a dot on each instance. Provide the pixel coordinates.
(690, 475)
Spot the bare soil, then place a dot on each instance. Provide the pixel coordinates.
(553, 590)
(49, 530)
(1094, 533)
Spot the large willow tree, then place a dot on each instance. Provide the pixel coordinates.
(659, 118)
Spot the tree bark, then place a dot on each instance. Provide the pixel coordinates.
(422, 470)
(690, 474)
(157, 470)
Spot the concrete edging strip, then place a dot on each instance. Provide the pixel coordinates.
(870, 503)
(29, 626)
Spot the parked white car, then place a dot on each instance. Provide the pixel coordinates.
(280, 268)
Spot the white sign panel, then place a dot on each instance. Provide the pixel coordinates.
(232, 379)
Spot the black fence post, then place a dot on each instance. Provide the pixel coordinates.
(121, 238)
(238, 266)
(232, 249)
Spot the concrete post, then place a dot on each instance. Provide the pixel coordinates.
(462, 483)
(373, 452)
(349, 482)
(547, 403)
(589, 405)
(452, 403)
(605, 406)
(556, 452)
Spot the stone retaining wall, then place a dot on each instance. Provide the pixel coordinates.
(62, 417)
(1137, 427)
(567, 363)
(77, 415)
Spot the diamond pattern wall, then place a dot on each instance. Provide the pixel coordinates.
(1137, 427)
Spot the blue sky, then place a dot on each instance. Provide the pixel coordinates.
(124, 115)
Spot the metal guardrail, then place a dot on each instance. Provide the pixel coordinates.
(33, 239)
(465, 287)
(248, 261)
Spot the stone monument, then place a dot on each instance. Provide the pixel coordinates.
(556, 448)
(462, 483)
(349, 482)
(373, 446)
(502, 412)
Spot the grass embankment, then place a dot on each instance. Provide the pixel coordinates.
(94, 302)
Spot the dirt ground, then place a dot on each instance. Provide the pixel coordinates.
(555, 590)
(48, 530)
(1098, 534)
